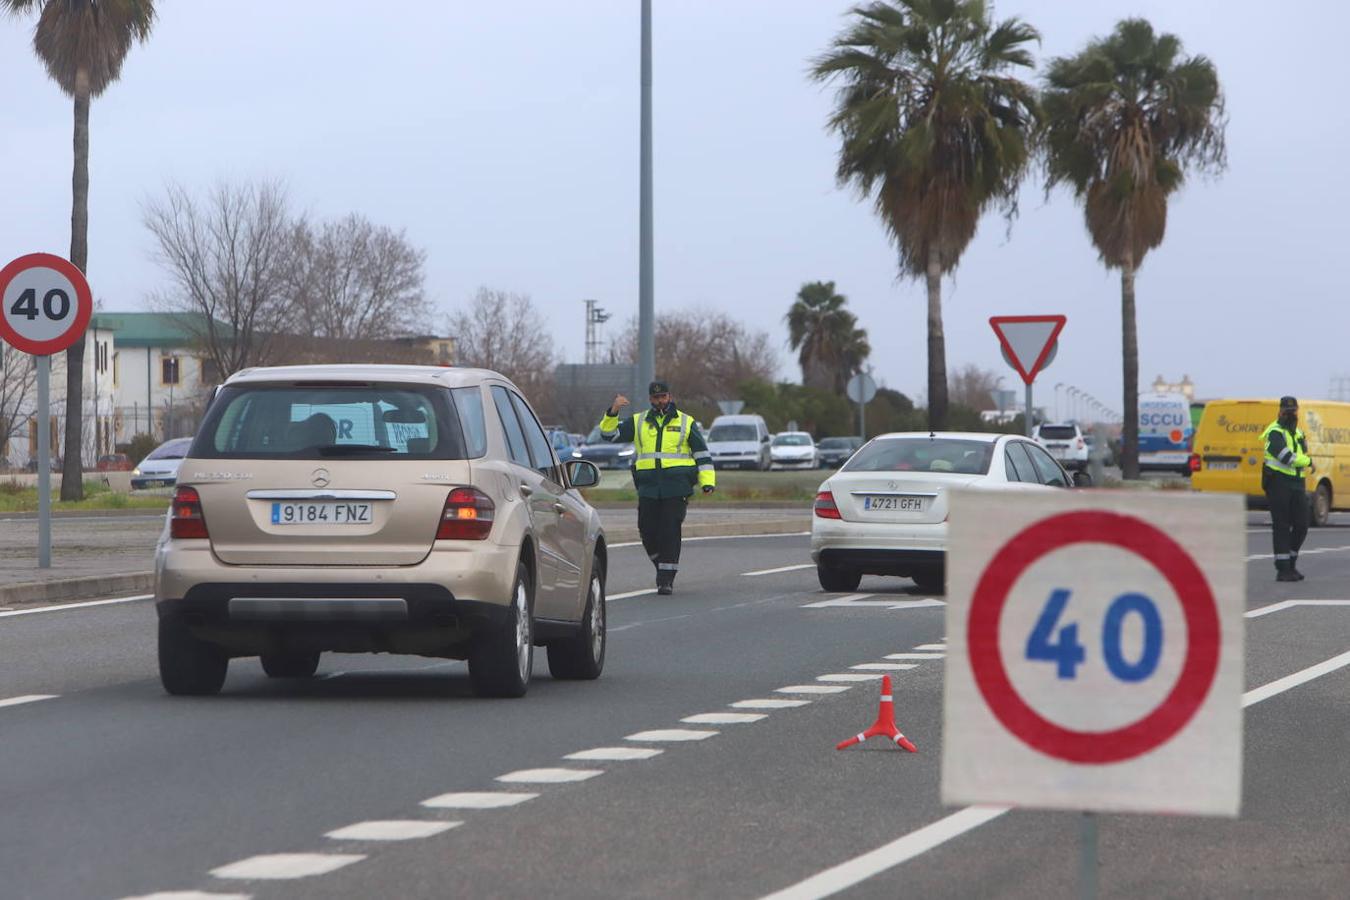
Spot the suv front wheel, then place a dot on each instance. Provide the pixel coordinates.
(502, 657)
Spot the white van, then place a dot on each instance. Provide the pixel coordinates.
(740, 442)
(1165, 432)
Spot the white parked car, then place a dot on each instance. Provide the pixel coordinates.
(792, 450)
(1065, 442)
(885, 511)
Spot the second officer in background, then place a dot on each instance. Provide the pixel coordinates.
(670, 458)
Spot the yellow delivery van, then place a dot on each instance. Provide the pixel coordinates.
(1227, 454)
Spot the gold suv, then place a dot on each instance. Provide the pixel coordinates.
(380, 509)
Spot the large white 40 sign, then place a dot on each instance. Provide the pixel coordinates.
(45, 304)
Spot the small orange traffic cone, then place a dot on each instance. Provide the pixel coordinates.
(884, 725)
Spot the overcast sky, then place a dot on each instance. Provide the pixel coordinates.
(504, 139)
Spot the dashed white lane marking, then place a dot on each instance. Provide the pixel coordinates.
(855, 603)
(721, 537)
(189, 895)
(276, 866)
(942, 647)
(849, 676)
(87, 603)
(781, 569)
(549, 776)
(671, 734)
(607, 754)
(915, 655)
(391, 830)
(719, 718)
(885, 667)
(1290, 604)
(625, 596)
(768, 704)
(478, 800)
(812, 689)
(860, 868)
(27, 698)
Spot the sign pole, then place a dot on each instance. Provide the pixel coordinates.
(862, 421)
(44, 441)
(1088, 870)
(1028, 416)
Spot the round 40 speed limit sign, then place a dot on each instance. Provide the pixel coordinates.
(1095, 651)
(45, 304)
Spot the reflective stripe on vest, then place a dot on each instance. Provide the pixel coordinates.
(1290, 445)
(646, 440)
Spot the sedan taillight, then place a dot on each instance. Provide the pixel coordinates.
(187, 520)
(825, 506)
(467, 516)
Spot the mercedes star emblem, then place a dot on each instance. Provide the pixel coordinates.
(320, 478)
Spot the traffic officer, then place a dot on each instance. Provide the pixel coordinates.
(670, 457)
(1282, 478)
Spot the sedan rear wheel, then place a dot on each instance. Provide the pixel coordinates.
(582, 656)
(835, 579)
(502, 658)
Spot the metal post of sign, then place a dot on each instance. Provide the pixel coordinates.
(646, 300)
(1088, 870)
(862, 420)
(44, 442)
(1028, 416)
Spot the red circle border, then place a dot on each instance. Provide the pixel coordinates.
(1184, 576)
(84, 304)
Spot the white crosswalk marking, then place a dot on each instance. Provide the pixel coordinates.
(723, 718)
(280, 866)
(671, 734)
(768, 704)
(812, 689)
(549, 776)
(607, 754)
(391, 830)
(478, 800)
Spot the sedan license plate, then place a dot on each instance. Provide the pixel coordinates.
(321, 514)
(1222, 466)
(893, 504)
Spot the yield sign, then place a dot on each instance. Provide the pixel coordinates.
(1028, 341)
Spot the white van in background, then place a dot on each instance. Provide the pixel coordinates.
(740, 442)
(1165, 432)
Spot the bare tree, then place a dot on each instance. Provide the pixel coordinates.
(355, 280)
(705, 354)
(504, 332)
(972, 387)
(229, 258)
(18, 383)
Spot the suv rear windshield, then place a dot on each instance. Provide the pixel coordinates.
(923, 455)
(1058, 432)
(323, 420)
(721, 433)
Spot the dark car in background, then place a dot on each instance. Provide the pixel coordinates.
(833, 452)
(604, 454)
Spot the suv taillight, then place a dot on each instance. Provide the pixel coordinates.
(1081, 444)
(467, 516)
(825, 506)
(187, 520)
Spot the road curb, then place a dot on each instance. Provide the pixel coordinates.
(58, 590)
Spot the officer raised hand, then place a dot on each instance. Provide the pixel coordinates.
(619, 402)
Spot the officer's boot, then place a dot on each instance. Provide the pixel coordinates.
(1284, 570)
(665, 581)
(1293, 566)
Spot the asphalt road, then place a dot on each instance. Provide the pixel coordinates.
(109, 788)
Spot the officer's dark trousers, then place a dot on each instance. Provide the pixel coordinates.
(659, 523)
(1288, 518)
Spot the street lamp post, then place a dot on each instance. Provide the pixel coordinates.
(646, 300)
(1058, 385)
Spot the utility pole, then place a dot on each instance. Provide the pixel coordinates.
(595, 317)
(646, 301)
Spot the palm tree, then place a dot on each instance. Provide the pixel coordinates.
(82, 43)
(830, 346)
(934, 129)
(1125, 119)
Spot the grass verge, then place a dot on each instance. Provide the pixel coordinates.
(15, 497)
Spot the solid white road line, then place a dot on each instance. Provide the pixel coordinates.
(189, 895)
(276, 866)
(942, 647)
(630, 594)
(861, 868)
(812, 689)
(549, 776)
(27, 698)
(781, 569)
(769, 704)
(663, 735)
(1290, 604)
(721, 537)
(915, 655)
(719, 718)
(615, 754)
(885, 667)
(391, 830)
(84, 605)
(478, 800)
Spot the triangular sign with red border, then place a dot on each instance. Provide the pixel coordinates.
(1027, 341)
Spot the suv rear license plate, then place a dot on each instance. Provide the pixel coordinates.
(893, 504)
(321, 514)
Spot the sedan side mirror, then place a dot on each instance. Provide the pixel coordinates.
(582, 473)
(1082, 479)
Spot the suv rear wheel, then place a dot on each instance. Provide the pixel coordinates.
(582, 656)
(832, 579)
(501, 658)
(290, 665)
(188, 666)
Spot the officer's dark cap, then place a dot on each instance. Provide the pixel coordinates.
(1288, 403)
(657, 387)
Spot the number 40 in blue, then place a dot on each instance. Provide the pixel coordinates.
(1068, 653)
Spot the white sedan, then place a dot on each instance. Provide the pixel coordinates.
(792, 450)
(885, 511)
